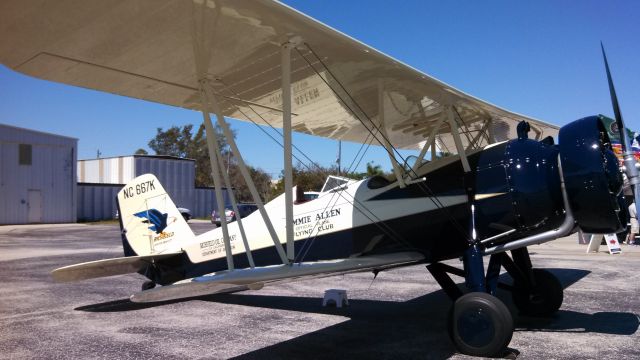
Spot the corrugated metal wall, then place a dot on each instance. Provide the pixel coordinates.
(176, 176)
(118, 170)
(205, 201)
(97, 201)
(50, 179)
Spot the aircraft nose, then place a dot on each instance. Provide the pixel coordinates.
(592, 177)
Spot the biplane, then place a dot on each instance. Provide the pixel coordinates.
(485, 182)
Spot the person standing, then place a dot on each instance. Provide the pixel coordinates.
(633, 217)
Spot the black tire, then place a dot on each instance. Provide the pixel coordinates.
(148, 285)
(480, 325)
(186, 217)
(544, 299)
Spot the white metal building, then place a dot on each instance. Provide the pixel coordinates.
(37, 177)
(177, 175)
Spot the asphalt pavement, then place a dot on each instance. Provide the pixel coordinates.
(399, 315)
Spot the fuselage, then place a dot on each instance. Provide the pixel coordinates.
(513, 185)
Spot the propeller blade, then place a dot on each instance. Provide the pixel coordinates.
(624, 137)
(628, 157)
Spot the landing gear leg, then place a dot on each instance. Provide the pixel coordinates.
(151, 272)
(148, 285)
(479, 323)
(536, 292)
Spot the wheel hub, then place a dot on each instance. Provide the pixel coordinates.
(475, 327)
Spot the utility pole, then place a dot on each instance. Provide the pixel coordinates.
(339, 160)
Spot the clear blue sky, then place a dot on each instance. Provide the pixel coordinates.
(540, 59)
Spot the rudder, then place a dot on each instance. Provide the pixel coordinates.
(149, 220)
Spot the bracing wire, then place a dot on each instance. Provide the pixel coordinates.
(424, 187)
(373, 134)
(393, 235)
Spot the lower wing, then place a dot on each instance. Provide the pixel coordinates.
(256, 278)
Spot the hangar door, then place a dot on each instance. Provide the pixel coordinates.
(35, 206)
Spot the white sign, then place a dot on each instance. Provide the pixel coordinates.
(610, 239)
(612, 243)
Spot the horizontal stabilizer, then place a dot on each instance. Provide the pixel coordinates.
(106, 267)
(254, 279)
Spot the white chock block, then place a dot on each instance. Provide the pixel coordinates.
(337, 296)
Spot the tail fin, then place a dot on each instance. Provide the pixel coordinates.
(149, 220)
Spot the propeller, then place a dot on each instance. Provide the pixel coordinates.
(628, 158)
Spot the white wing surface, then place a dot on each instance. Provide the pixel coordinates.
(145, 49)
(255, 279)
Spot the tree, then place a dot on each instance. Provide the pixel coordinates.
(260, 178)
(141, 151)
(373, 170)
(311, 178)
(181, 142)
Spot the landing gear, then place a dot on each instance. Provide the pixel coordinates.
(544, 298)
(148, 285)
(535, 292)
(480, 325)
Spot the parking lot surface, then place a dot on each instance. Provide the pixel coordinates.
(399, 315)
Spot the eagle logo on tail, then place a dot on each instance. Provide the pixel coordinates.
(155, 217)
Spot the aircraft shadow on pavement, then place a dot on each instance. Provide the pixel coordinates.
(614, 323)
(392, 329)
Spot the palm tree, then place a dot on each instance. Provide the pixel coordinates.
(373, 170)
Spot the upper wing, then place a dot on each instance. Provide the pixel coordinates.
(145, 49)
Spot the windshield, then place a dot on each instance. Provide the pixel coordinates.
(333, 182)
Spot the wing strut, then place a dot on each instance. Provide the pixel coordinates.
(455, 133)
(234, 205)
(201, 53)
(398, 171)
(475, 142)
(430, 143)
(202, 36)
(212, 146)
(288, 159)
(491, 137)
(245, 174)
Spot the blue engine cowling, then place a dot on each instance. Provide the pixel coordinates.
(592, 176)
(517, 186)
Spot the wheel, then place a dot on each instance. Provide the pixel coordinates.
(186, 217)
(480, 325)
(544, 299)
(148, 285)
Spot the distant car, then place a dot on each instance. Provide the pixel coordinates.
(310, 195)
(186, 214)
(245, 210)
